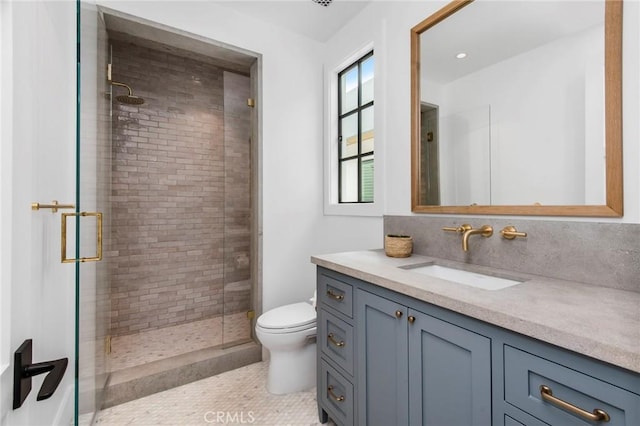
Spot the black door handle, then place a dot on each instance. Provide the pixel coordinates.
(24, 370)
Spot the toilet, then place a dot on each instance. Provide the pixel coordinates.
(289, 333)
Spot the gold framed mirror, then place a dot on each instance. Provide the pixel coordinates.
(493, 190)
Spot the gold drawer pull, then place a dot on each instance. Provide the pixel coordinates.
(334, 296)
(597, 415)
(333, 395)
(332, 339)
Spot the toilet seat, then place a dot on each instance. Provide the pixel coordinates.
(288, 318)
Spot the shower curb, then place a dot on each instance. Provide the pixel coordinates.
(136, 382)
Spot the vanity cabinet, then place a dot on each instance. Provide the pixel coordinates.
(416, 369)
(388, 359)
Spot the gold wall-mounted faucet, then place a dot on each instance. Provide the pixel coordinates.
(467, 230)
(485, 230)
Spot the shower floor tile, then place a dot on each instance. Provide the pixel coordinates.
(140, 348)
(234, 397)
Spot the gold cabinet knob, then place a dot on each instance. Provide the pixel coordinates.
(398, 314)
(411, 319)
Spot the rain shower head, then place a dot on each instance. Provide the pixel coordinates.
(129, 99)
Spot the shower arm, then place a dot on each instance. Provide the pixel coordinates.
(115, 83)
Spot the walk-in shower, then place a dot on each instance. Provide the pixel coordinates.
(177, 186)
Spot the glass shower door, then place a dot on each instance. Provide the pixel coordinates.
(93, 168)
(238, 272)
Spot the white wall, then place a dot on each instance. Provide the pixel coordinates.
(294, 227)
(389, 23)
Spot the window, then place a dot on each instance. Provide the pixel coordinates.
(356, 132)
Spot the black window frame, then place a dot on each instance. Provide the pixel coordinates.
(342, 115)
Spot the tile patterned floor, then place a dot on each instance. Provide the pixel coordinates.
(135, 349)
(232, 398)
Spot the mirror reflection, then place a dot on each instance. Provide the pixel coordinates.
(512, 106)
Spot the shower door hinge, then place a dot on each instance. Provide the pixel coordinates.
(107, 344)
(251, 102)
(108, 72)
(251, 314)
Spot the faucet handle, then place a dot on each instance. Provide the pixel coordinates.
(459, 229)
(510, 232)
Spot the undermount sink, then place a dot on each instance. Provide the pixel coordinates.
(473, 279)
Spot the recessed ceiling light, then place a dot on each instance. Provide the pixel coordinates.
(461, 55)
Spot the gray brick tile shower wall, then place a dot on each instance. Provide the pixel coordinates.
(180, 191)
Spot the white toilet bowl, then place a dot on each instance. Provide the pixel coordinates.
(288, 332)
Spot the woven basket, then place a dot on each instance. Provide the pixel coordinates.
(398, 245)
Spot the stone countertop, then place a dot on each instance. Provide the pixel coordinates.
(599, 322)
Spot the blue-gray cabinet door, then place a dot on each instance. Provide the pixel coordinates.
(382, 368)
(450, 374)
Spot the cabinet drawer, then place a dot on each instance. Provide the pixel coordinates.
(336, 294)
(508, 421)
(524, 374)
(521, 418)
(335, 338)
(336, 395)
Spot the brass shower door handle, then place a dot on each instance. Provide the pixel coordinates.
(98, 256)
